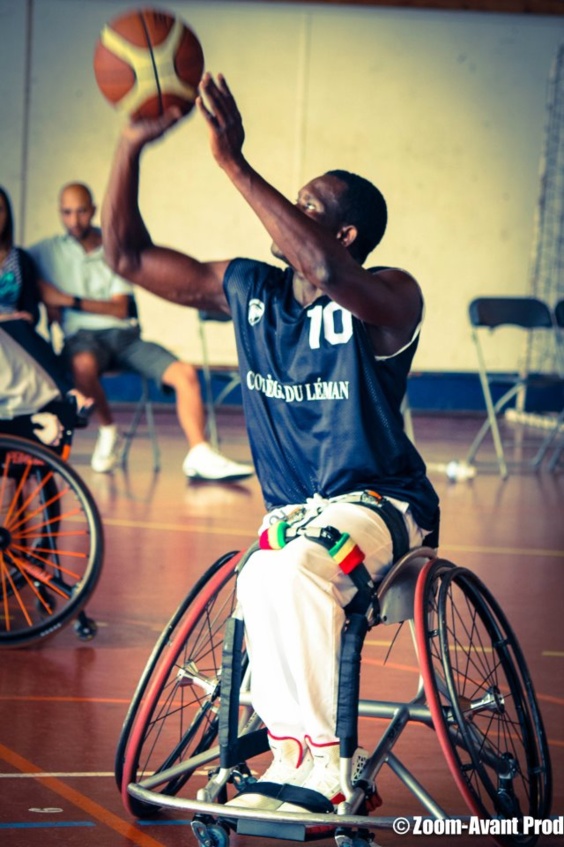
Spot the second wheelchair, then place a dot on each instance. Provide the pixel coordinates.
(51, 535)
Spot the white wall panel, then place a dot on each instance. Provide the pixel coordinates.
(443, 110)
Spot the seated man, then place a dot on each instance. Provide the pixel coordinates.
(100, 335)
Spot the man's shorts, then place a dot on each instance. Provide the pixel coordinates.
(121, 349)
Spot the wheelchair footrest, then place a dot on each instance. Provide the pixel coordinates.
(267, 829)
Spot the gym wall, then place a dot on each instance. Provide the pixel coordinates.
(444, 110)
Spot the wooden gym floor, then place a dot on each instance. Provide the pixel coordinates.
(62, 705)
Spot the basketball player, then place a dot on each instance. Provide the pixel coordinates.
(100, 335)
(324, 348)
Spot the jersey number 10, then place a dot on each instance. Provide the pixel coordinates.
(333, 321)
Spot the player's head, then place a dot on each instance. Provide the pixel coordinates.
(76, 208)
(362, 206)
(6, 219)
(349, 206)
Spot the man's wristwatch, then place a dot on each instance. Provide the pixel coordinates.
(77, 304)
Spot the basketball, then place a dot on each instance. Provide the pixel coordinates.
(146, 61)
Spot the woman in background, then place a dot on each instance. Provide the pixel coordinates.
(19, 299)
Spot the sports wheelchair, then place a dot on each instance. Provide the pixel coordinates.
(190, 731)
(51, 536)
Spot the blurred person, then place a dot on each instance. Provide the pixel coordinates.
(20, 298)
(94, 305)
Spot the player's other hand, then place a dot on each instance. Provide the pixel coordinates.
(218, 107)
(142, 131)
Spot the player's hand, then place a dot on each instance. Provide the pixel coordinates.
(218, 107)
(48, 428)
(142, 131)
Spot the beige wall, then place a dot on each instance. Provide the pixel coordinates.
(443, 110)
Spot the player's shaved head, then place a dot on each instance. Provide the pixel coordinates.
(76, 208)
(78, 191)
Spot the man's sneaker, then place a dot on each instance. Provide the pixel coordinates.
(291, 765)
(106, 452)
(325, 777)
(203, 462)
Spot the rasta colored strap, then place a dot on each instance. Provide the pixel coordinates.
(345, 552)
(276, 536)
(340, 545)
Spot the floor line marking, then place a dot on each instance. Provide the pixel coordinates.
(109, 819)
(167, 822)
(503, 551)
(58, 775)
(174, 527)
(205, 529)
(45, 698)
(45, 824)
(381, 663)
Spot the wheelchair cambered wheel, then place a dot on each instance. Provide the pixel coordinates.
(173, 714)
(482, 699)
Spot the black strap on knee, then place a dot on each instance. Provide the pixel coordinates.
(233, 749)
(357, 624)
(352, 640)
(231, 676)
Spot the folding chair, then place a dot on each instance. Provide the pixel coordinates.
(532, 316)
(559, 320)
(143, 407)
(229, 375)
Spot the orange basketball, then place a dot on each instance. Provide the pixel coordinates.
(147, 60)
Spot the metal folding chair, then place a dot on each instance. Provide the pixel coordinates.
(532, 316)
(558, 434)
(143, 408)
(228, 375)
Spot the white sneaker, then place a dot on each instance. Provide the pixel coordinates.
(203, 462)
(292, 765)
(325, 776)
(106, 452)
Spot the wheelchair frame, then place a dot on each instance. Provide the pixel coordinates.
(474, 690)
(51, 543)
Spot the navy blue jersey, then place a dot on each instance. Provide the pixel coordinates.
(323, 414)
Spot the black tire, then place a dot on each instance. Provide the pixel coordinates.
(171, 718)
(51, 542)
(482, 699)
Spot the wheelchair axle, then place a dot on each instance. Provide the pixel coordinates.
(190, 676)
(492, 701)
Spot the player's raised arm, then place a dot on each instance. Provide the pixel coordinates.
(310, 235)
(306, 245)
(128, 246)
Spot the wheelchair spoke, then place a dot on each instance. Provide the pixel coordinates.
(51, 541)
